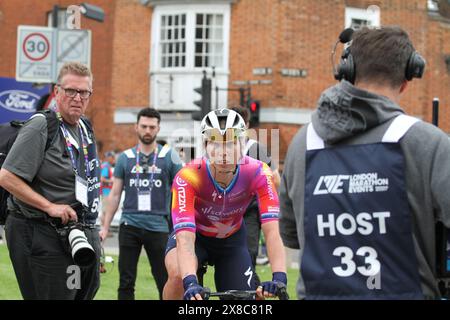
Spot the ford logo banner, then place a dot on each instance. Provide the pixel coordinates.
(18, 99)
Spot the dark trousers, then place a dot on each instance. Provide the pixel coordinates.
(131, 240)
(43, 266)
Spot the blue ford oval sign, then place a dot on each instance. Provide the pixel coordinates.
(18, 100)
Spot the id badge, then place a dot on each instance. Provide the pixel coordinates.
(144, 201)
(81, 190)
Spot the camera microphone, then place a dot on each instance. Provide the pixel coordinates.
(344, 37)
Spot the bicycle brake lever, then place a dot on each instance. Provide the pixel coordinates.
(206, 293)
(282, 291)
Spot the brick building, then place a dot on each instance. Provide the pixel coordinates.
(154, 52)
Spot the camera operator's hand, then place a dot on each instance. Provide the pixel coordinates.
(62, 211)
(192, 290)
(269, 289)
(103, 233)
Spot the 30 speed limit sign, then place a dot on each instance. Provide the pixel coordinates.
(36, 46)
(34, 54)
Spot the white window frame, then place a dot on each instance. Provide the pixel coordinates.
(173, 29)
(362, 14)
(432, 6)
(214, 41)
(191, 11)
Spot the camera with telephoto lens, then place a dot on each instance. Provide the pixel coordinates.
(81, 250)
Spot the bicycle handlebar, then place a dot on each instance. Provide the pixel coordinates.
(235, 294)
(244, 294)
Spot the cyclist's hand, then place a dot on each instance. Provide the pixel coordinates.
(269, 289)
(192, 290)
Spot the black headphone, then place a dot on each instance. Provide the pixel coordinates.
(346, 68)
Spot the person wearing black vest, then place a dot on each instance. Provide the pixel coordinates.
(145, 172)
(55, 197)
(364, 184)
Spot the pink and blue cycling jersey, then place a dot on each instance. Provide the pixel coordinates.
(199, 204)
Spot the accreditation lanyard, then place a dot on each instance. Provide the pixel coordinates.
(81, 185)
(145, 197)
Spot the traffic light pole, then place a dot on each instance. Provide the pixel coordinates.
(242, 91)
(245, 100)
(435, 114)
(241, 96)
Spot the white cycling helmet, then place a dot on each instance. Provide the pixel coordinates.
(228, 123)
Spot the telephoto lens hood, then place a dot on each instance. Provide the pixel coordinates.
(82, 252)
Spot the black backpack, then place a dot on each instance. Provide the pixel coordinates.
(9, 132)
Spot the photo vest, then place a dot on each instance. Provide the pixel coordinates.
(158, 187)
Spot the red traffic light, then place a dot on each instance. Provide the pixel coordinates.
(254, 107)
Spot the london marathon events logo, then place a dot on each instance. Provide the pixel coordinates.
(18, 100)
